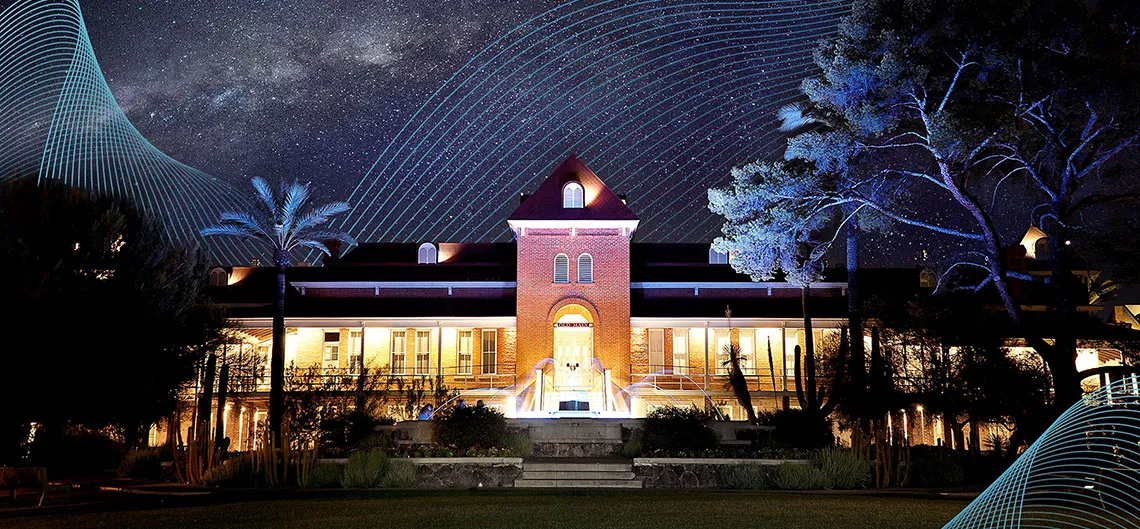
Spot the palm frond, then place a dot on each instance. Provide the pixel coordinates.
(265, 194)
(331, 235)
(320, 246)
(228, 229)
(320, 215)
(793, 116)
(293, 201)
(246, 221)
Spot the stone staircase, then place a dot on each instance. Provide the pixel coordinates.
(578, 473)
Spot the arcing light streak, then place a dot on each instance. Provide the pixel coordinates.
(1083, 472)
(60, 121)
(639, 89)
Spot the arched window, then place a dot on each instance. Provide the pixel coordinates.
(585, 268)
(561, 268)
(427, 254)
(573, 196)
(1041, 249)
(219, 277)
(716, 257)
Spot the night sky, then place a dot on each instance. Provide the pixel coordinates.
(463, 105)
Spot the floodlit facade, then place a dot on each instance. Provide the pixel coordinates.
(570, 319)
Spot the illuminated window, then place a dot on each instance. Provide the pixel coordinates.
(423, 352)
(399, 352)
(573, 196)
(463, 350)
(681, 351)
(747, 349)
(332, 347)
(585, 268)
(656, 350)
(716, 257)
(722, 344)
(355, 352)
(561, 268)
(490, 351)
(427, 254)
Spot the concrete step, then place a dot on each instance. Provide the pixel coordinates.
(578, 474)
(578, 483)
(576, 467)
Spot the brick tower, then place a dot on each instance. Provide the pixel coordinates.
(573, 238)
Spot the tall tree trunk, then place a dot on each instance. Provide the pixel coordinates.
(223, 392)
(1063, 356)
(277, 358)
(855, 308)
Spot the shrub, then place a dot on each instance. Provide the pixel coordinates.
(790, 476)
(937, 470)
(471, 427)
(634, 446)
(234, 472)
(363, 469)
(144, 463)
(325, 476)
(77, 453)
(801, 429)
(520, 445)
(677, 429)
(399, 474)
(842, 468)
(746, 477)
(341, 433)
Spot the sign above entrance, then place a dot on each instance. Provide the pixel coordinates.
(573, 324)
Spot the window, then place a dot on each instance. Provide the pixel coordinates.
(355, 352)
(427, 254)
(656, 350)
(573, 196)
(423, 352)
(681, 351)
(332, 347)
(722, 344)
(263, 363)
(218, 277)
(716, 257)
(561, 268)
(585, 268)
(490, 351)
(399, 352)
(463, 350)
(747, 349)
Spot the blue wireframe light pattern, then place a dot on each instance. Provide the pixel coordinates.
(661, 97)
(60, 122)
(1083, 472)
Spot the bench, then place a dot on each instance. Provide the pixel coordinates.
(34, 479)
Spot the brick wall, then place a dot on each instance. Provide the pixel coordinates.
(606, 299)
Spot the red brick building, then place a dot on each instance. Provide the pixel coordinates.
(572, 318)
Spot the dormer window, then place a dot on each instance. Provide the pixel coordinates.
(573, 196)
(219, 277)
(427, 254)
(716, 257)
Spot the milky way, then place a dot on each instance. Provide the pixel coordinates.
(431, 117)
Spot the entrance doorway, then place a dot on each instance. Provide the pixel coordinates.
(573, 353)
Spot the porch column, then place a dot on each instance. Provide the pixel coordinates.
(706, 356)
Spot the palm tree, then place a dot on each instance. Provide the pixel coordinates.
(280, 224)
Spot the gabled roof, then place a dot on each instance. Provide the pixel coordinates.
(546, 202)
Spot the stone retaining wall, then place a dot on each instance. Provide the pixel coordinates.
(466, 472)
(694, 473)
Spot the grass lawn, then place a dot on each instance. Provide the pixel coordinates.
(518, 509)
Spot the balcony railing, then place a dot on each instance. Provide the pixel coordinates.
(340, 379)
(693, 378)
